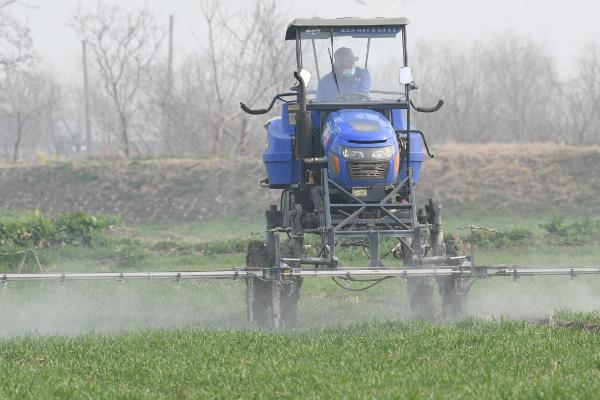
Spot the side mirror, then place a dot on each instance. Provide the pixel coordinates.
(305, 75)
(406, 75)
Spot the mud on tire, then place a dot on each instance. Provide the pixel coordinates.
(452, 288)
(420, 297)
(258, 291)
(261, 294)
(420, 290)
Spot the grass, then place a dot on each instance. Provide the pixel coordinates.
(409, 359)
(590, 317)
(190, 340)
(230, 227)
(209, 230)
(219, 244)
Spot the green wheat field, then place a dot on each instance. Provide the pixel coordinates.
(147, 340)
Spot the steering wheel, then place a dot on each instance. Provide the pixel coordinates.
(355, 96)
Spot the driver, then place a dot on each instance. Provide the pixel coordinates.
(350, 78)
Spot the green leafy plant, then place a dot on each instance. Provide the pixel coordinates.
(38, 230)
(575, 232)
(500, 239)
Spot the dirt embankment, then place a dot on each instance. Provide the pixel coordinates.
(484, 178)
(515, 178)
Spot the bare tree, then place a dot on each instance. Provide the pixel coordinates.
(124, 46)
(500, 89)
(23, 97)
(453, 72)
(15, 38)
(246, 60)
(184, 126)
(65, 128)
(521, 79)
(242, 58)
(582, 96)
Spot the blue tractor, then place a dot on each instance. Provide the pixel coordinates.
(346, 159)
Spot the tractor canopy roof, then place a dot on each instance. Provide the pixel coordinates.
(323, 28)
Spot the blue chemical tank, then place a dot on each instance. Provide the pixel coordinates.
(416, 146)
(282, 168)
(416, 158)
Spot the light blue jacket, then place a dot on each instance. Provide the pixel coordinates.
(360, 82)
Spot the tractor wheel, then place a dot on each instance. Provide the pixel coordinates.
(290, 296)
(452, 289)
(420, 297)
(420, 291)
(258, 291)
(290, 293)
(270, 303)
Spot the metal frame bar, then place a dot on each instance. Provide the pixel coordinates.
(382, 205)
(377, 228)
(382, 233)
(316, 59)
(119, 276)
(334, 106)
(462, 272)
(348, 219)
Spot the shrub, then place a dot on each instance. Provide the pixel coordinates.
(577, 232)
(487, 239)
(38, 230)
(557, 231)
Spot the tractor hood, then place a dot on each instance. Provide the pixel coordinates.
(372, 143)
(360, 126)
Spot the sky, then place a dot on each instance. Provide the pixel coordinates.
(562, 26)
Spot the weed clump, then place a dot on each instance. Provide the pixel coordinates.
(577, 231)
(556, 232)
(39, 230)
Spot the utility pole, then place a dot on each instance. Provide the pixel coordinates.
(166, 99)
(86, 100)
(170, 65)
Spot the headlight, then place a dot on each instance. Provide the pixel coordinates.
(368, 153)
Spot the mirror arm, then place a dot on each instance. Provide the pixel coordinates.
(439, 105)
(399, 133)
(425, 143)
(251, 111)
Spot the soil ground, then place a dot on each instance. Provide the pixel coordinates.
(469, 178)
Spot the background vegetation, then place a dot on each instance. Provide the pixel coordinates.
(502, 88)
